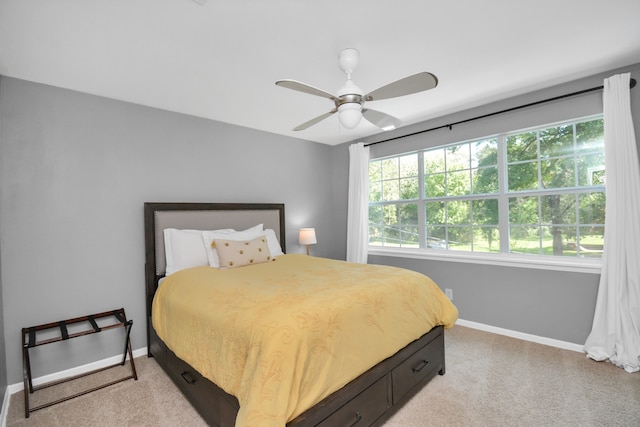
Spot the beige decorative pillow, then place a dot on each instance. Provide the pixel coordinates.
(237, 253)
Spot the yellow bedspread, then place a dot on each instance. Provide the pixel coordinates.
(281, 336)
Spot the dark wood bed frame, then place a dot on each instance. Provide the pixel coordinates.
(368, 400)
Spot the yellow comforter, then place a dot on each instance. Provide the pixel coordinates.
(281, 336)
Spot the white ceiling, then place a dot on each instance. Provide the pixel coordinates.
(219, 59)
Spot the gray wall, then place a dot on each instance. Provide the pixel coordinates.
(552, 304)
(75, 171)
(3, 358)
(339, 200)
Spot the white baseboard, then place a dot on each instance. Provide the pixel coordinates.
(522, 336)
(14, 388)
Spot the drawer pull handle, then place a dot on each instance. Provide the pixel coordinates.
(187, 377)
(358, 418)
(419, 366)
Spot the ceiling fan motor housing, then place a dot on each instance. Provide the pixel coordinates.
(349, 104)
(349, 93)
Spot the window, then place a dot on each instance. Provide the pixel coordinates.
(538, 191)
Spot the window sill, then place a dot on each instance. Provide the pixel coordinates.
(582, 265)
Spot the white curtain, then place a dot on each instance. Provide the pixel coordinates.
(615, 334)
(358, 207)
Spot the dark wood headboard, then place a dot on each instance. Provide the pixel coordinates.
(199, 216)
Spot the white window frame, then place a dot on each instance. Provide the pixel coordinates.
(546, 262)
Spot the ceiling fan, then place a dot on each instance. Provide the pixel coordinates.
(350, 99)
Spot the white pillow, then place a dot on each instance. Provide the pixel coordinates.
(184, 249)
(208, 237)
(272, 241)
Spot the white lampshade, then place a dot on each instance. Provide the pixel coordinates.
(307, 236)
(350, 114)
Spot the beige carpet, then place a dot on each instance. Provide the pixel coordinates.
(491, 380)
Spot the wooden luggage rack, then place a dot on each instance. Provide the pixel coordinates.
(29, 340)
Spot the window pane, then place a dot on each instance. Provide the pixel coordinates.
(556, 141)
(590, 136)
(409, 236)
(591, 241)
(522, 176)
(592, 208)
(522, 147)
(375, 191)
(375, 214)
(459, 238)
(434, 161)
(485, 212)
(558, 173)
(409, 188)
(436, 213)
(436, 237)
(409, 166)
(554, 238)
(458, 212)
(434, 185)
(524, 239)
(390, 169)
(390, 190)
(484, 153)
(408, 224)
(458, 157)
(559, 209)
(523, 210)
(375, 181)
(486, 239)
(375, 171)
(458, 183)
(485, 180)
(376, 225)
(591, 170)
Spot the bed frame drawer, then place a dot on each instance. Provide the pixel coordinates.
(200, 391)
(417, 369)
(364, 409)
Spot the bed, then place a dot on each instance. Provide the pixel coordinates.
(362, 388)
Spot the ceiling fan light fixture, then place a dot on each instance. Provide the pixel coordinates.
(350, 114)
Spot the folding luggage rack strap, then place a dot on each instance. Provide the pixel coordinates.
(29, 340)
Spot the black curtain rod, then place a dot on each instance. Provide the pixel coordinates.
(632, 84)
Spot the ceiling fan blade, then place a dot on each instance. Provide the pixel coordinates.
(312, 122)
(303, 87)
(412, 84)
(382, 120)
